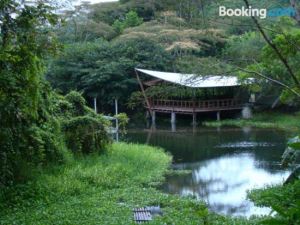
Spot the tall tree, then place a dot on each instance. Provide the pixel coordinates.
(27, 130)
(281, 57)
(106, 70)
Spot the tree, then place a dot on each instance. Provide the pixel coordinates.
(270, 69)
(276, 50)
(243, 49)
(29, 134)
(106, 70)
(131, 20)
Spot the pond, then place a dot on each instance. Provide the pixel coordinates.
(224, 163)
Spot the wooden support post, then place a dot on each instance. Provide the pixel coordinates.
(116, 113)
(148, 116)
(117, 121)
(194, 119)
(173, 117)
(153, 117)
(218, 115)
(95, 105)
(247, 112)
(173, 127)
(144, 93)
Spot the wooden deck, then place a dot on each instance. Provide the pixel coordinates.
(190, 107)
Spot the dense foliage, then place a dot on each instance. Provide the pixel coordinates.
(106, 70)
(32, 133)
(284, 200)
(29, 133)
(180, 36)
(131, 20)
(84, 131)
(285, 35)
(103, 190)
(100, 45)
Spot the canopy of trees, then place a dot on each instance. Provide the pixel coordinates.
(106, 70)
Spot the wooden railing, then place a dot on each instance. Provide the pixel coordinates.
(207, 104)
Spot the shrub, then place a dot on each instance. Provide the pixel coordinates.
(284, 200)
(85, 134)
(78, 103)
(131, 20)
(123, 121)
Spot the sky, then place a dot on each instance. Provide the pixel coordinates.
(63, 5)
(95, 1)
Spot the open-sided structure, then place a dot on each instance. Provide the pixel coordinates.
(190, 106)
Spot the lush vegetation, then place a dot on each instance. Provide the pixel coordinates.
(286, 121)
(102, 190)
(105, 70)
(37, 124)
(30, 134)
(105, 42)
(284, 200)
(57, 163)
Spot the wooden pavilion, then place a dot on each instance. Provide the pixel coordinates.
(191, 106)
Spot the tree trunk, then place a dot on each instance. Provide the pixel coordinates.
(293, 176)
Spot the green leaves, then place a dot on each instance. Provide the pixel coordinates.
(131, 20)
(106, 70)
(294, 143)
(287, 41)
(85, 134)
(283, 199)
(29, 134)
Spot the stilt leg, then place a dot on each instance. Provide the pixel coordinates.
(153, 117)
(194, 119)
(173, 117)
(218, 115)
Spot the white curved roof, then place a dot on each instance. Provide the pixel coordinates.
(194, 81)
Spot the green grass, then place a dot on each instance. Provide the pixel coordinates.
(103, 190)
(263, 120)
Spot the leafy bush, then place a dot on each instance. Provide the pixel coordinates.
(244, 49)
(284, 200)
(123, 121)
(77, 102)
(85, 134)
(131, 20)
(83, 130)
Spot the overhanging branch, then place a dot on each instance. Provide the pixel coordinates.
(272, 80)
(274, 47)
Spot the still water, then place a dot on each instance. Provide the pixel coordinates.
(224, 163)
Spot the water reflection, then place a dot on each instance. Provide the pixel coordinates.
(225, 163)
(223, 183)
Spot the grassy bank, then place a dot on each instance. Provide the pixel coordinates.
(103, 190)
(284, 121)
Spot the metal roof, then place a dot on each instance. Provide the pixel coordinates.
(192, 80)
